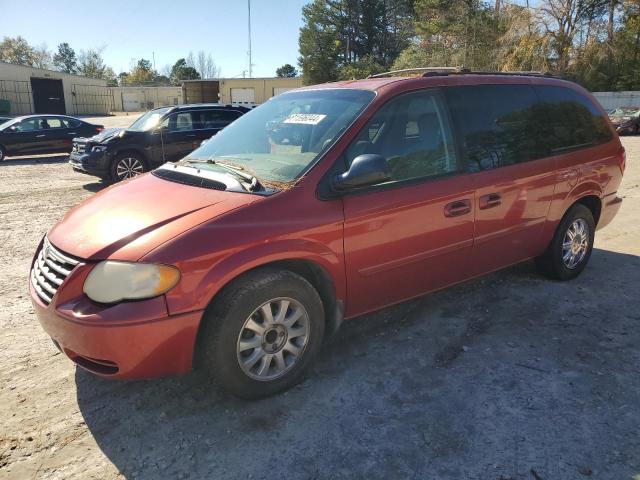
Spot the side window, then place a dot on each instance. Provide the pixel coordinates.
(54, 122)
(178, 122)
(499, 125)
(71, 122)
(413, 134)
(572, 120)
(29, 125)
(217, 118)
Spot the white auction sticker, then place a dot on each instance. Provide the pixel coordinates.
(305, 118)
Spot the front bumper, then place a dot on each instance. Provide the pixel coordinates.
(128, 340)
(92, 163)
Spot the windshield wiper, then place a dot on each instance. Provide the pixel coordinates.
(254, 183)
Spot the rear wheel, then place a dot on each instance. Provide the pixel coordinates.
(126, 165)
(3, 153)
(261, 335)
(571, 247)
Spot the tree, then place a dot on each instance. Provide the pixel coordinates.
(42, 57)
(182, 71)
(205, 65)
(361, 68)
(142, 73)
(338, 33)
(17, 50)
(91, 64)
(65, 59)
(286, 70)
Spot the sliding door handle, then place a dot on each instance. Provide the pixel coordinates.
(489, 201)
(457, 208)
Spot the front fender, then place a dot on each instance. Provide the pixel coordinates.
(199, 287)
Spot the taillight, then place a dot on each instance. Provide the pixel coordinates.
(99, 129)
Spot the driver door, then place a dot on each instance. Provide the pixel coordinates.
(414, 233)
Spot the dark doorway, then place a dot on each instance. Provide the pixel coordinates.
(48, 96)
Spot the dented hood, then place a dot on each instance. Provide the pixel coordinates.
(130, 219)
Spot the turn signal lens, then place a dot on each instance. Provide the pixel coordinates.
(113, 281)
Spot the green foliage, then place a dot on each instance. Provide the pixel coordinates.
(91, 64)
(65, 59)
(17, 50)
(340, 38)
(361, 68)
(182, 71)
(287, 70)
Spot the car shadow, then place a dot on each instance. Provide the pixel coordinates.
(45, 159)
(95, 186)
(486, 379)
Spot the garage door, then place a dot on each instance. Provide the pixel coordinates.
(243, 95)
(279, 90)
(48, 96)
(130, 102)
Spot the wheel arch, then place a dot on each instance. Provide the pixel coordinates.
(312, 271)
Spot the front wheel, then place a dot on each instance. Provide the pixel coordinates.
(571, 247)
(126, 165)
(3, 153)
(262, 334)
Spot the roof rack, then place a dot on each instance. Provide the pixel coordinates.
(460, 70)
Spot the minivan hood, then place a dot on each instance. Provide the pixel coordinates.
(131, 218)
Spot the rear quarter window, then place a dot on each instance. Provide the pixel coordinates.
(573, 120)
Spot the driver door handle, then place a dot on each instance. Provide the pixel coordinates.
(40, 136)
(457, 208)
(489, 201)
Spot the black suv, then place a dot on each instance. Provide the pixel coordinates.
(161, 135)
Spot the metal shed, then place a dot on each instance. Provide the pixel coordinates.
(26, 90)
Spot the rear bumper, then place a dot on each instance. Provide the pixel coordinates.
(131, 340)
(610, 206)
(92, 163)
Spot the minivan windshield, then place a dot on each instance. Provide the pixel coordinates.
(148, 120)
(279, 140)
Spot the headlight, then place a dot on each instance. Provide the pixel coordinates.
(111, 281)
(99, 148)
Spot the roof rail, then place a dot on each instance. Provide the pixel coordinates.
(425, 70)
(461, 70)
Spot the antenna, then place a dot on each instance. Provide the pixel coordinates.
(250, 65)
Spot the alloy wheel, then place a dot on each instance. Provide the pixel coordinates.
(576, 243)
(129, 167)
(273, 339)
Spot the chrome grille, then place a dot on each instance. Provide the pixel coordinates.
(50, 269)
(79, 147)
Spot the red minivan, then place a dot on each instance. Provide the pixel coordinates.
(323, 204)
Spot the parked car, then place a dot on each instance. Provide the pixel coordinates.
(626, 119)
(323, 204)
(42, 134)
(161, 135)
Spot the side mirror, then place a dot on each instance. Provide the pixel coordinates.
(367, 169)
(13, 128)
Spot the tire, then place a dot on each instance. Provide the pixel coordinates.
(3, 153)
(254, 365)
(126, 165)
(562, 263)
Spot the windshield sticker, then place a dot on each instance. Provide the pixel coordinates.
(305, 118)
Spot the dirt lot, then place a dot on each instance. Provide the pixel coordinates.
(507, 377)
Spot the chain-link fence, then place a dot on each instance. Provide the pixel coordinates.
(18, 94)
(91, 99)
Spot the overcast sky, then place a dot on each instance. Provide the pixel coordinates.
(134, 29)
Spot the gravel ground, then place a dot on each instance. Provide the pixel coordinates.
(506, 377)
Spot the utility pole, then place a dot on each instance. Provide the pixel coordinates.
(153, 55)
(250, 65)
